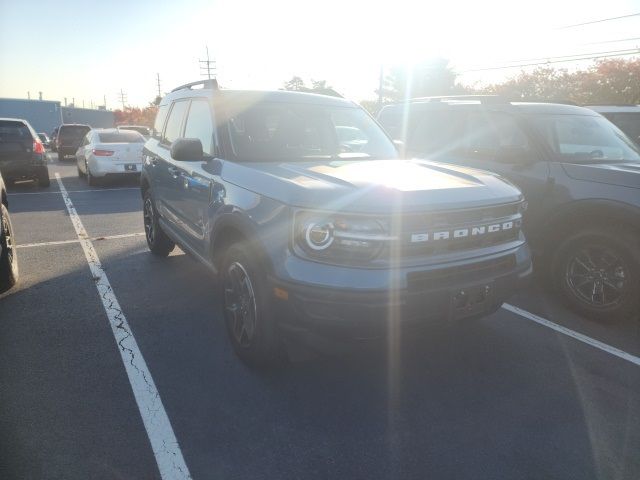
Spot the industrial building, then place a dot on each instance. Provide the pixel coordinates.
(45, 115)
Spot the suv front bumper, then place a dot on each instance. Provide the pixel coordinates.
(409, 297)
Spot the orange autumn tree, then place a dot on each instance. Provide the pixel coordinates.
(136, 116)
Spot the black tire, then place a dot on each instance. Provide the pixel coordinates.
(43, 177)
(598, 273)
(91, 180)
(8, 257)
(157, 241)
(248, 313)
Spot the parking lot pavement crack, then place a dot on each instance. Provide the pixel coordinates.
(164, 444)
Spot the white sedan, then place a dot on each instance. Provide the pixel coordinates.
(109, 152)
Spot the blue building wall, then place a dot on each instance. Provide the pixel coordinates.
(88, 116)
(43, 115)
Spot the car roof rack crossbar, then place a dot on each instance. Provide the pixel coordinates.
(208, 83)
(464, 98)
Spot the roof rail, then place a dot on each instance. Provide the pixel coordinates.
(464, 98)
(208, 83)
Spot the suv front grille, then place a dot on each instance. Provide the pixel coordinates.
(429, 234)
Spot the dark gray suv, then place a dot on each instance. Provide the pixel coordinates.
(579, 173)
(318, 235)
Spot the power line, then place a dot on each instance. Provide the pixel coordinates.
(559, 59)
(158, 78)
(619, 40)
(599, 21)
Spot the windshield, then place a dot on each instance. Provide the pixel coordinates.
(121, 137)
(290, 131)
(628, 122)
(73, 132)
(585, 139)
(142, 130)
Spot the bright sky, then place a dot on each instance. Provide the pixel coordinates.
(85, 50)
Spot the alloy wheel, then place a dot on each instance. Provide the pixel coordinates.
(8, 239)
(148, 220)
(240, 304)
(597, 276)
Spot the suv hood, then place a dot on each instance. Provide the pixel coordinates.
(373, 186)
(622, 174)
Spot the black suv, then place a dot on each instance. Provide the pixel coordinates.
(22, 154)
(8, 257)
(69, 138)
(579, 173)
(317, 237)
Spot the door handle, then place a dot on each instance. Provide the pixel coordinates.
(174, 171)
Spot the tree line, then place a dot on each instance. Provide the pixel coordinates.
(608, 81)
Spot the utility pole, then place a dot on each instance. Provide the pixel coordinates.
(123, 99)
(105, 101)
(82, 103)
(73, 101)
(29, 95)
(65, 101)
(206, 66)
(158, 78)
(40, 95)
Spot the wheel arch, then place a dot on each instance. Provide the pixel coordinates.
(589, 213)
(231, 228)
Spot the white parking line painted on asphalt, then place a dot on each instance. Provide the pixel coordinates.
(75, 191)
(75, 240)
(573, 334)
(164, 444)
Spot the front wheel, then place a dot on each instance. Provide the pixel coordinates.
(247, 311)
(157, 241)
(8, 257)
(598, 273)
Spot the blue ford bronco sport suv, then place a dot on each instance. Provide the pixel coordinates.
(579, 173)
(319, 239)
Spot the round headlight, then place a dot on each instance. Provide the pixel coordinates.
(319, 235)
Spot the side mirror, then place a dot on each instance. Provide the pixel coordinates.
(187, 150)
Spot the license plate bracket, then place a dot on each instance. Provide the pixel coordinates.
(470, 301)
(131, 167)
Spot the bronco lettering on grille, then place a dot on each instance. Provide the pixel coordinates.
(464, 232)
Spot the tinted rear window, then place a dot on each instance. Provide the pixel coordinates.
(73, 132)
(10, 130)
(121, 137)
(142, 130)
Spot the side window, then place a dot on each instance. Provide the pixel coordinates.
(174, 124)
(87, 139)
(493, 135)
(391, 120)
(200, 125)
(160, 118)
(433, 133)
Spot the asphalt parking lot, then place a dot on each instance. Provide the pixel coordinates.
(534, 394)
